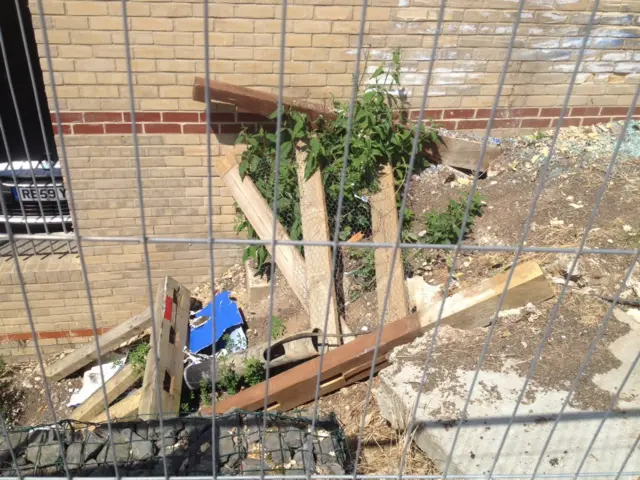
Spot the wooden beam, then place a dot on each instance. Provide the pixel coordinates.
(384, 221)
(109, 341)
(347, 363)
(341, 366)
(315, 227)
(115, 386)
(475, 306)
(127, 408)
(172, 324)
(256, 101)
(463, 153)
(258, 213)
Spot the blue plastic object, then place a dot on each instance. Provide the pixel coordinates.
(227, 316)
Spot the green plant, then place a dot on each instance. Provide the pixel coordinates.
(443, 227)
(380, 134)
(229, 380)
(11, 395)
(205, 393)
(278, 328)
(138, 357)
(254, 372)
(230, 344)
(365, 274)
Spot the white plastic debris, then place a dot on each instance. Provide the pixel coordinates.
(91, 381)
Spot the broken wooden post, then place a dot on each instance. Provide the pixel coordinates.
(341, 366)
(122, 381)
(315, 227)
(464, 153)
(384, 221)
(258, 213)
(109, 341)
(256, 101)
(172, 324)
(475, 306)
(127, 408)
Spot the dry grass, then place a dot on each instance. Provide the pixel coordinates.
(382, 445)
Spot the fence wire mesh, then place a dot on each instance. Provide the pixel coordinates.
(552, 357)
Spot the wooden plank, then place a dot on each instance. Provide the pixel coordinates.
(463, 153)
(315, 227)
(297, 386)
(475, 306)
(115, 386)
(256, 101)
(109, 341)
(384, 221)
(127, 408)
(258, 213)
(172, 323)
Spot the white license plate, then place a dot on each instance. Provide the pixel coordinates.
(47, 194)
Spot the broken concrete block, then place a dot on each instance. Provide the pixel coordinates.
(258, 287)
(492, 404)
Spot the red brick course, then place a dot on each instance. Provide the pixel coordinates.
(21, 337)
(118, 123)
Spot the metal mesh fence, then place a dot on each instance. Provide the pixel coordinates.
(277, 179)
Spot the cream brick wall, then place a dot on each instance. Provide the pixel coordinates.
(167, 43)
(167, 49)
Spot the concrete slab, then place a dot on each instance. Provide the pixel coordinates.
(258, 288)
(491, 407)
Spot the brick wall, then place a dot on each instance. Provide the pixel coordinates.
(167, 49)
(167, 45)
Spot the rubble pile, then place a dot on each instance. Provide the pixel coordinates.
(583, 145)
(243, 447)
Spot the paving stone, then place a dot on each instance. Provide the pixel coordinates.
(294, 438)
(251, 466)
(272, 442)
(121, 444)
(281, 456)
(304, 459)
(45, 450)
(141, 449)
(92, 446)
(226, 448)
(74, 456)
(332, 468)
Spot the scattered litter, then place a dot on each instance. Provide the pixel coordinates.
(362, 198)
(356, 237)
(528, 311)
(584, 146)
(421, 294)
(227, 316)
(556, 222)
(562, 266)
(627, 228)
(576, 205)
(91, 381)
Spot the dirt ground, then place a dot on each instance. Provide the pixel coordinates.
(575, 175)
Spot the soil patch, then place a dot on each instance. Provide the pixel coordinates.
(513, 346)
